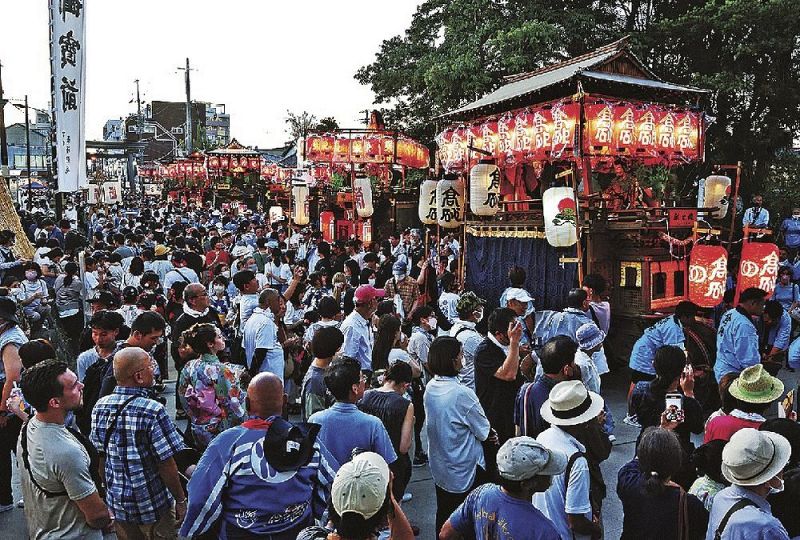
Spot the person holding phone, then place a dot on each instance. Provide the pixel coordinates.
(681, 413)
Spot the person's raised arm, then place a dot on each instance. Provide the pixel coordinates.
(508, 371)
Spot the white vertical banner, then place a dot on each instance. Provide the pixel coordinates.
(67, 54)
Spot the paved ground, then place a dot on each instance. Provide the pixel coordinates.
(421, 510)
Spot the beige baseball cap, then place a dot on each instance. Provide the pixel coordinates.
(360, 485)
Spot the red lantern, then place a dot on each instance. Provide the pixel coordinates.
(327, 224)
(224, 162)
(213, 162)
(758, 267)
(708, 270)
(341, 150)
(255, 163)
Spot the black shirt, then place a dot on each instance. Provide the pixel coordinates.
(391, 408)
(195, 262)
(496, 396)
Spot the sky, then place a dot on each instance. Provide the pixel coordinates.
(258, 57)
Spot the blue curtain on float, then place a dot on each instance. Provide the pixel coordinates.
(489, 260)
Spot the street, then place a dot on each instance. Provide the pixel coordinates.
(421, 509)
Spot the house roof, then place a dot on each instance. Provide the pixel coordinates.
(235, 147)
(595, 66)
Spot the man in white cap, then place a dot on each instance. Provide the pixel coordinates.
(505, 511)
(570, 410)
(753, 463)
(362, 501)
(521, 303)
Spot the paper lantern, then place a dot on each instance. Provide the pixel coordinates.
(758, 268)
(450, 203)
(427, 202)
(275, 214)
(366, 231)
(560, 216)
(484, 189)
(708, 270)
(362, 196)
(300, 204)
(112, 191)
(327, 224)
(717, 193)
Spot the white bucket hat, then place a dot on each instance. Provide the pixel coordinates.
(753, 457)
(571, 404)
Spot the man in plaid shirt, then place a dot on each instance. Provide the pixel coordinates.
(138, 442)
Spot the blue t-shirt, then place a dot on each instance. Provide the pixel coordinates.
(791, 232)
(345, 428)
(786, 294)
(667, 331)
(531, 396)
(490, 514)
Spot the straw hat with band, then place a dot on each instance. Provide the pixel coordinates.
(753, 457)
(571, 404)
(755, 385)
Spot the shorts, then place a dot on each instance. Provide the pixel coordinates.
(639, 376)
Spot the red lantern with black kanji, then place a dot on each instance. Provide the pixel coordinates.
(708, 271)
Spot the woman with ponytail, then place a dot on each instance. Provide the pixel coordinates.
(69, 303)
(655, 507)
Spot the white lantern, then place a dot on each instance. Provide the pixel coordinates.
(112, 191)
(300, 203)
(717, 194)
(450, 203)
(484, 189)
(427, 202)
(275, 213)
(362, 196)
(560, 216)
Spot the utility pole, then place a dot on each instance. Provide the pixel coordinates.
(28, 152)
(188, 131)
(3, 136)
(139, 119)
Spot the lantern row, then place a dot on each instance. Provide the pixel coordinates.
(367, 148)
(550, 132)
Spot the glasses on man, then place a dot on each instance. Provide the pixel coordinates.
(151, 364)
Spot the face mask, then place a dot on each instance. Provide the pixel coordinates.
(432, 322)
(254, 268)
(30, 275)
(796, 216)
(219, 289)
(371, 282)
(15, 290)
(479, 316)
(774, 490)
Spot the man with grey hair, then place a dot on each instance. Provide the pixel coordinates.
(137, 442)
(263, 351)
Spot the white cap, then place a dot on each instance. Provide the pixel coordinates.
(360, 485)
(520, 295)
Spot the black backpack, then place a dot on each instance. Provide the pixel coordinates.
(92, 383)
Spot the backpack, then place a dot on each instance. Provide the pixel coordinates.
(92, 383)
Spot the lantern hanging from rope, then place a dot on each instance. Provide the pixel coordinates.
(560, 216)
(300, 200)
(427, 202)
(450, 203)
(717, 194)
(484, 189)
(362, 196)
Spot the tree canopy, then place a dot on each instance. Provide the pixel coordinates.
(745, 51)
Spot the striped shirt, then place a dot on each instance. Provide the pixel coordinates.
(143, 438)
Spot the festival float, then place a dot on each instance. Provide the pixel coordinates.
(360, 179)
(588, 166)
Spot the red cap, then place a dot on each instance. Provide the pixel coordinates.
(365, 293)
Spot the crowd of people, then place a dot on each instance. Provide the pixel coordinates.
(314, 376)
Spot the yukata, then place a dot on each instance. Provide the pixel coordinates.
(737, 343)
(667, 331)
(211, 395)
